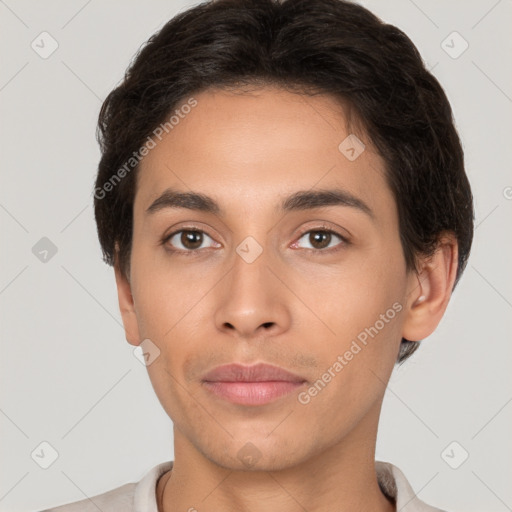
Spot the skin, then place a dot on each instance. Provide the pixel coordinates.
(297, 305)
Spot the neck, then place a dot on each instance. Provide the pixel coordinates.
(343, 474)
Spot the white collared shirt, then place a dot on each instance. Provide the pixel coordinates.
(141, 496)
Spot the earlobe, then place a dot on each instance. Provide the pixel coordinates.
(430, 290)
(127, 306)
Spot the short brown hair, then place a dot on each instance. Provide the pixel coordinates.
(312, 46)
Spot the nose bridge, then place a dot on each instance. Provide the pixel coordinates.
(250, 279)
(251, 300)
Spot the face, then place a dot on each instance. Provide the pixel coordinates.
(266, 266)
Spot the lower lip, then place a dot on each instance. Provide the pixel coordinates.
(252, 393)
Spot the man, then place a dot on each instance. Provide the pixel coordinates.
(282, 195)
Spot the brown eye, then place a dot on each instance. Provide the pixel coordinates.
(319, 239)
(191, 239)
(188, 240)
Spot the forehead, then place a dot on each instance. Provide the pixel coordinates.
(248, 148)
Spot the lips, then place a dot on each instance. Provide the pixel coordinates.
(251, 385)
(256, 373)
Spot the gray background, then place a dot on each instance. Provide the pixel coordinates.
(68, 377)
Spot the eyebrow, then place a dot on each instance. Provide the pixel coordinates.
(301, 200)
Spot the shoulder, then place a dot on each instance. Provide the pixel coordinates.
(130, 497)
(394, 484)
(119, 499)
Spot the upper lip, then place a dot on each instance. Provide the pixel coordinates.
(255, 373)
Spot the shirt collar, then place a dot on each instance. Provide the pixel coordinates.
(391, 481)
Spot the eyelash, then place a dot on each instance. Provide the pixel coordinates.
(321, 229)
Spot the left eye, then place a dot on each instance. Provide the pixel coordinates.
(320, 239)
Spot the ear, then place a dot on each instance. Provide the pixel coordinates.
(430, 289)
(126, 305)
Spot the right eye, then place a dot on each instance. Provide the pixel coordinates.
(188, 240)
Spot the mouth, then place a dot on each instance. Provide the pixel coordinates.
(258, 384)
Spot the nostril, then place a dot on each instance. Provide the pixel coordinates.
(268, 324)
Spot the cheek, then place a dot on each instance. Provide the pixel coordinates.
(358, 359)
(171, 311)
(162, 295)
(353, 297)
(362, 306)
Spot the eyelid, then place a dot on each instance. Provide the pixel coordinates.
(187, 227)
(325, 226)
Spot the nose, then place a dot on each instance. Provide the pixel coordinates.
(252, 300)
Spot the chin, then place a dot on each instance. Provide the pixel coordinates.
(259, 453)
